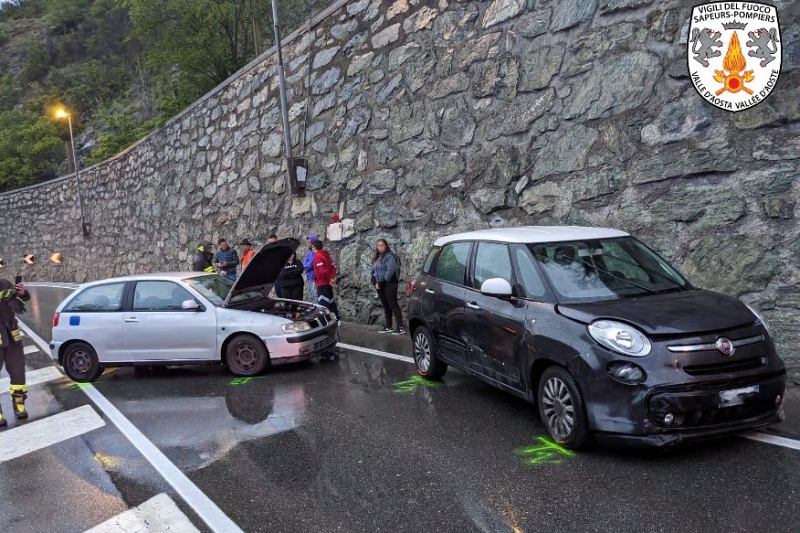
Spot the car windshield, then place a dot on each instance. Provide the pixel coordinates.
(605, 269)
(214, 288)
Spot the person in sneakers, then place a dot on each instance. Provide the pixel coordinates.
(385, 279)
(324, 277)
(11, 352)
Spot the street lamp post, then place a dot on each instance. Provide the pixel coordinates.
(61, 113)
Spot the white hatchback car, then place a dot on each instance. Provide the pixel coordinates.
(190, 318)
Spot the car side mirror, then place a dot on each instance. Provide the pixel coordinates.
(190, 305)
(497, 287)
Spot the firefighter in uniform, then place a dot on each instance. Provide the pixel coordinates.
(11, 353)
(202, 261)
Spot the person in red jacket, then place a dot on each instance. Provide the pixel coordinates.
(324, 277)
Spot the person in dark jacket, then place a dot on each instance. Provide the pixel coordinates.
(226, 260)
(11, 352)
(308, 264)
(290, 280)
(203, 258)
(385, 279)
(325, 277)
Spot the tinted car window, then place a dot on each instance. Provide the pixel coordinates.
(528, 274)
(491, 261)
(159, 296)
(426, 266)
(100, 298)
(452, 262)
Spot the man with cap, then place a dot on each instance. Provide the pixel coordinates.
(203, 258)
(247, 252)
(308, 266)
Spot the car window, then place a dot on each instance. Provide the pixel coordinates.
(159, 296)
(604, 269)
(452, 262)
(98, 298)
(491, 261)
(528, 274)
(426, 266)
(214, 287)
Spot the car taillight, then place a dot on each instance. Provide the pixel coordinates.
(412, 284)
(55, 319)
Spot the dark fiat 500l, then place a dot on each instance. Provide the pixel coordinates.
(599, 331)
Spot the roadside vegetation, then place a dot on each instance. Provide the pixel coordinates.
(123, 67)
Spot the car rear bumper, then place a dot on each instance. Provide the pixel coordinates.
(283, 350)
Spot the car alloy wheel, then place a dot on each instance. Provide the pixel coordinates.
(559, 408)
(422, 352)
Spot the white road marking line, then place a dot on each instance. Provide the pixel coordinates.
(30, 349)
(159, 514)
(201, 504)
(379, 353)
(34, 377)
(40, 342)
(773, 439)
(45, 432)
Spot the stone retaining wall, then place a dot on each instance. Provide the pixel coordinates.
(421, 118)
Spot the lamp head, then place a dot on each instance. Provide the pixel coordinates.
(60, 112)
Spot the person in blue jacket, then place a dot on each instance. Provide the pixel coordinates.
(385, 279)
(308, 266)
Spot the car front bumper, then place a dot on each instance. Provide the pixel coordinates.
(697, 411)
(285, 349)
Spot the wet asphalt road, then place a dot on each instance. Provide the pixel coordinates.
(357, 445)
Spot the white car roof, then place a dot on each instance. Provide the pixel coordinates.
(168, 276)
(533, 234)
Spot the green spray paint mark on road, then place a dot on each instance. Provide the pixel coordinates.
(244, 380)
(81, 386)
(407, 386)
(544, 452)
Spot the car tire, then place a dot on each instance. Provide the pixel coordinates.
(561, 408)
(246, 355)
(426, 359)
(80, 362)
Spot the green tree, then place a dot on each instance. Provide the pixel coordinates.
(30, 148)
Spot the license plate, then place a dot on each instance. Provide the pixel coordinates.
(729, 398)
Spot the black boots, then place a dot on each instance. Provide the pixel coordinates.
(18, 395)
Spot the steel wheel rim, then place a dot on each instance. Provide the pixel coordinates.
(245, 358)
(559, 408)
(80, 361)
(422, 352)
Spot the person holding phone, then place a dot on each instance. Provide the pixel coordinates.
(11, 353)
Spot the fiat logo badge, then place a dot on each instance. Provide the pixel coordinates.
(725, 346)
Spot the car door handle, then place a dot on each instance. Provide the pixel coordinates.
(132, 319)
(429, 291)
(473, 305)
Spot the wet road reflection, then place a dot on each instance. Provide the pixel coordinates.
(361, 445)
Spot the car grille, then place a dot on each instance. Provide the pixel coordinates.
(726, 366)
(327, 341)
(319, 322)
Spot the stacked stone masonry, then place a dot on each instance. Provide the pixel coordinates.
(421, 118)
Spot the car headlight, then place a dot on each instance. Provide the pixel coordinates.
(620, 338)
(759, 316)
(296, 327)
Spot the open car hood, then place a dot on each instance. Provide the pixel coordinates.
(263, 270)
